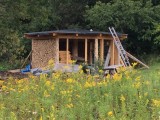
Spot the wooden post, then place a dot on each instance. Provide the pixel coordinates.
(102, 50)
(108, 57)
(67, 49)
(86, 49)
(75, 48)
(96, 50)
(112, 52)
(57, 51)
(116, 56)
(90, 53)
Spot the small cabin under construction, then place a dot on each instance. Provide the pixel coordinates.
(80, 45)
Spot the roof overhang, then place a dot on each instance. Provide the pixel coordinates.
(72, 34)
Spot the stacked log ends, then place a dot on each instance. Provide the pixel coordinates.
(42, 52)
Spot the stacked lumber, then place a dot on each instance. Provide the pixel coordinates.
(63, 56)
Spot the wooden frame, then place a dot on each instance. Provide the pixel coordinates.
(67, 49)
(96, 49)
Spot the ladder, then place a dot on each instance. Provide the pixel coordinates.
(119, 46)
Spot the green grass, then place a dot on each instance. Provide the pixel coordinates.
(131, 94)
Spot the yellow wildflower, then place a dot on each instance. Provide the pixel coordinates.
(134, 64)
(108, 76)
(147, 83)
(52, 87)
(117, 77)
(137, 84)
(70, 80)
(156, 103)
(78, 96)
(110, 113)
(4, 87)
(146, 93)
(41, 118)
(100, 71)
(138, 78)
(80, 67)
(69, 105)
(46, 94)
(72, 61)
(48, 83)
(122, 98)
(87, 84)
(51, 63)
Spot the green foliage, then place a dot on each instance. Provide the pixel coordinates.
(139, 19)
(133, 17)
(127, 95)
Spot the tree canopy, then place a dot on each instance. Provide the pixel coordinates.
(138, 18)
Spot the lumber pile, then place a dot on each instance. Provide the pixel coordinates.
(63, 55)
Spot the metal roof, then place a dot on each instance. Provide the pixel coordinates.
(71, 31)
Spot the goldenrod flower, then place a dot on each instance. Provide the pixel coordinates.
(48, 83)
(122, 98)
(46, 94)
(137, 84)
(110, 113)
(51, 63)
(138, 78)
(117, 77)
(134, 64)
(156, 103)
(87, 84)
(69, 105)
(70, 80)
(4, 87)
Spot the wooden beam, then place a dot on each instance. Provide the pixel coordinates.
(112, 52)
(67, 50)
(86, 50)
(134, 58)
(57, 51)
(102, 50)
(121, 62)
(96, 49)
(26, 59)
(116, 56)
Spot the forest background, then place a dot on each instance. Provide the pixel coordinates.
(140, 19)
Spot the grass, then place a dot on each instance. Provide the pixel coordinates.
(130, 94)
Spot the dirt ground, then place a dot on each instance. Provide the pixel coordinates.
(4, 75)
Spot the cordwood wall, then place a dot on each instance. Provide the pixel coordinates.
(43, 51)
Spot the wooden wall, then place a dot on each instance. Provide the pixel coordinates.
(43, 51)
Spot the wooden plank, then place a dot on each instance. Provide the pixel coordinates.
(116, 56)
(121, 62)
(57, 51)
(134, 58)
(96, 49)
(112, 52)
(67, 49)
(102, 49)
(86, 50)
(26, 59)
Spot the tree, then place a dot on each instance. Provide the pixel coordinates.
(133, 17)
